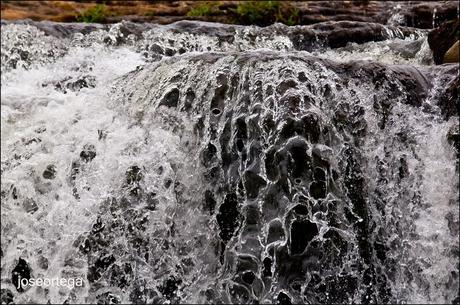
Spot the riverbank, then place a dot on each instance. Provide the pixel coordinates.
(423, 14)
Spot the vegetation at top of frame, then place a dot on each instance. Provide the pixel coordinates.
(94, 14)
(260, 13)
(203, 9)
(264, 13)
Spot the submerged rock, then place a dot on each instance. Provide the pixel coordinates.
(88, 152)
(50, 172)
(21, 272)
(449, 99)
(453, 137)
(6, 296)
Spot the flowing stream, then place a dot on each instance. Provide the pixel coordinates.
(205, 163)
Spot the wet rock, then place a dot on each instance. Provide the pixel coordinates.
(339, 34)
(275, 231)
(75, 168)
(189, 99)
(121, 275)
(301, 209)
(155, 48)
(302, 77)
(167, 183)
(218, 100)
(21, 271)
(318, 189)
(267, 266)
(337, 239)
(248, 277)
(449, 99)
(151, 201)
(241, 135)
(283, 299)
(354, 183)
(339, 289)
(43, 262)
(319, 174)
(209, 202)
(169, 52)
(208, 155)
(6, 296)
(453, 223)
(108, 298)
(30, 206)
(426, 14)
(296, 161)
(171, 98)
(452, 55)
(443, 38)
(380, 250)
(311, 127)
(86, 81)
(101, 134)
(88, 152)
(251, 215)
(252, 184)
(169, 287)
(271, 165)
(285, 85)
(453, 137)
(50, 172)
(403, 170)
(216, 111)
(228, 217)
(140, 294)
(96, 270)
(302, 232)
(133, 178)
(213, 173)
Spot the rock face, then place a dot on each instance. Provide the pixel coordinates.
(443, 38)
(297, 157)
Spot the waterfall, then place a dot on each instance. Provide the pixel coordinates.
(206, 163)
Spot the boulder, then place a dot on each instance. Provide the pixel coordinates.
(443, 38)
(428, 14)
(451, 55)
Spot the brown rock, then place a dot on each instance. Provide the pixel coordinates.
(442, 38)
(452, 54)
(429, 14)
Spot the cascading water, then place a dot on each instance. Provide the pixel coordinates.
(203, 163)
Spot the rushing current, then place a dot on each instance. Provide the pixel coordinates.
(206, 163)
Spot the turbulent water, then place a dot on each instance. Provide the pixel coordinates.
(203, 163)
